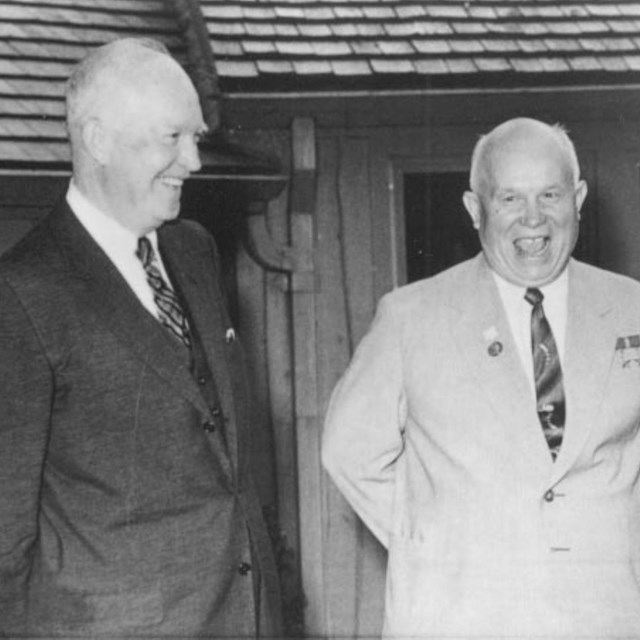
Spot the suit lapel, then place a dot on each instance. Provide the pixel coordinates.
(101, 289)
(482, 329)
(589, 355)
(191, 272)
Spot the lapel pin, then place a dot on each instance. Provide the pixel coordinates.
(230, 336)
(494, 347)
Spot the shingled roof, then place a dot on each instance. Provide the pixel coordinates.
(312, 45)
(315, 44)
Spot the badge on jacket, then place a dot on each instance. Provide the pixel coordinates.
(628, 350)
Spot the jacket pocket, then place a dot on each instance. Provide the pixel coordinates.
(114, 612)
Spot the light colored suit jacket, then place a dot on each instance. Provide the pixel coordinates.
(434, 439)
(121, 513)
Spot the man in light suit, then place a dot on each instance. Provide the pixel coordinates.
(127, 507)
(490, 439)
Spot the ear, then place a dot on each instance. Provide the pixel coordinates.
(96, 140)
(473, 206)
(580, 195)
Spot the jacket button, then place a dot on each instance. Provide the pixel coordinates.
(209, 426)
(202, 380)
(244, 568)
(549, 495)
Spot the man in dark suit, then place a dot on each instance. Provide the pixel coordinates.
(127, 507)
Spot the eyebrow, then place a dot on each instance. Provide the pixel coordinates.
(556, 185)
(547, 187)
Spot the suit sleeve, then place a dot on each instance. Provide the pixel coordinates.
(25, 402)
(363, 433)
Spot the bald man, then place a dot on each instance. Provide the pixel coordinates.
(487, 429)
(127, 507)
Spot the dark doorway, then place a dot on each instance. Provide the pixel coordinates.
(438, 229)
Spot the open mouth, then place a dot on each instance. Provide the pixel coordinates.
(531, 247)
(172, 183)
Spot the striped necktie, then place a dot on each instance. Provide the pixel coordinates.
(170, 312)
(547, 374)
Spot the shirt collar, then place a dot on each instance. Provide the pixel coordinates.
(105, 230)
(554, 292)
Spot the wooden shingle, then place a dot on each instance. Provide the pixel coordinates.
(461, 65)
(275, 66)
(353, 68)
(430, 46)
(386, 66)
(493, 64)
(312, 67)
(633, 62)
(614, 64)
(585, 63)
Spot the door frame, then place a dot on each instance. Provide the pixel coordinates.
(399, 166)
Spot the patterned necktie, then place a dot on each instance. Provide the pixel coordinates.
(547, 374)
(170, 312)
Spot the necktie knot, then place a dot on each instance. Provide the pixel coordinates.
(534, 296)
(144, 252)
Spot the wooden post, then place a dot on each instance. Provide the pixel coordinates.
(303, 489)
(307, 418)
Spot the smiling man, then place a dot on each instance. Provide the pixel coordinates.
(127, 507)
(525, 201)
(486, 430)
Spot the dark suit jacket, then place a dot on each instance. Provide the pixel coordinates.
(119, 513)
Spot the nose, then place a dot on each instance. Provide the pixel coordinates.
(532, 215)
(189, 155)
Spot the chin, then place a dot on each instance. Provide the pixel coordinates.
(539, 280)
(169, 214)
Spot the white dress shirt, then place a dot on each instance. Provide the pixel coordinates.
(518, 312)
(119, 243)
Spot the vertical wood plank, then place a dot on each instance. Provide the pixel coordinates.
(305, 374)
(278, 334)
(280, 362)
(355, 197)
(334, 343)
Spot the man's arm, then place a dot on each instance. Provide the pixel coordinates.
(363, 433)
(25, 406)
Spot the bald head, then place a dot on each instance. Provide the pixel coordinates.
(518, 131)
